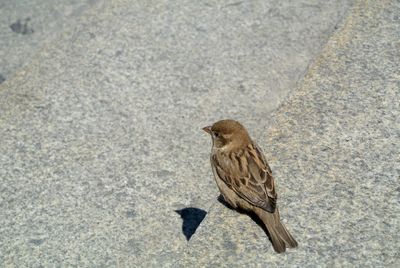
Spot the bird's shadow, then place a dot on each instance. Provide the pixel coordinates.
(251, 214)
(192, 217)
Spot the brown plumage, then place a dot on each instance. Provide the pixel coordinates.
(245, 179)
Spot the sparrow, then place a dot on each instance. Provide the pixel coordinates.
(245, 180)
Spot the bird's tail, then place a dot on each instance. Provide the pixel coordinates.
(280, 236)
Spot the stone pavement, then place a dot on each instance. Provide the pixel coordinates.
(335, 150)
(27, 25)
(101, 140)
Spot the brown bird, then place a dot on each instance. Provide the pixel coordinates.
(245, 179)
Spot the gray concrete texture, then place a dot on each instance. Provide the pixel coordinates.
(335, 152)
(27, 25)
(101, 139)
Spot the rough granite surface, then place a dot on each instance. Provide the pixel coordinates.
(335, 151)
(26, 25)
(101, 139)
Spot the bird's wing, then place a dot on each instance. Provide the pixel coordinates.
(249, 176)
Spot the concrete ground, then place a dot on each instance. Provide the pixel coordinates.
(27, 25)
(102, 143)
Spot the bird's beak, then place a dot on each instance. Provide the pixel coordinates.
(207, 129)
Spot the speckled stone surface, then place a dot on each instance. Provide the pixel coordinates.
(27, 25)
(335, 152)
(101, 139)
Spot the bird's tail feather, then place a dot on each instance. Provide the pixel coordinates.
(277, 241)
(280, 236)
(285, 235)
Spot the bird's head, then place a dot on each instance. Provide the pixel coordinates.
(228, 135)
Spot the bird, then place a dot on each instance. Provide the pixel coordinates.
(245, 179)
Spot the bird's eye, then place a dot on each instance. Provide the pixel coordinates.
(216, 134)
